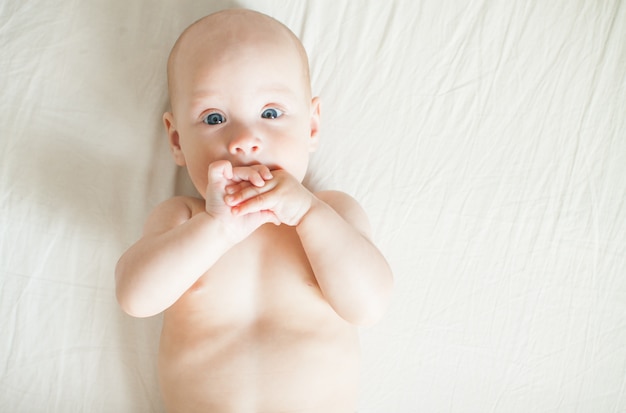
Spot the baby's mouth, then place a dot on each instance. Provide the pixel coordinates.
(271, 166)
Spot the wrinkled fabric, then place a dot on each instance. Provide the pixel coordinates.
(486, 140)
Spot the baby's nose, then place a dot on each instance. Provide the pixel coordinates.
(245, 142)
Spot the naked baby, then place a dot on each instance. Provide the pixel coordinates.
(262, 282)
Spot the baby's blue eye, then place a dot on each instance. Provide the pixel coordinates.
(213, 119)
(271, 113)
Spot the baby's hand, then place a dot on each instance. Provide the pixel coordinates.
(223, 176)
(286, 198)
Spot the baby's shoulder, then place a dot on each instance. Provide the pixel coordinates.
(172, 212)
(336, 198)
(348, 208)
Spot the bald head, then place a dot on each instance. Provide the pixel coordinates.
(232, 29)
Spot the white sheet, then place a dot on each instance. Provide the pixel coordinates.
(487, 141)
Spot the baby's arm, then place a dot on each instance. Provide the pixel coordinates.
(352, 273)
(174, 251)
(182, 240)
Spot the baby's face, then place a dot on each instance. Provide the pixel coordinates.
(242, 98)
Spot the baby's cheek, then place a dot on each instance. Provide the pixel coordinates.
(199, 180)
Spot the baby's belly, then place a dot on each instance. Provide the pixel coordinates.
(278, 362)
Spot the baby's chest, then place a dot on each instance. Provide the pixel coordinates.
(267, 277)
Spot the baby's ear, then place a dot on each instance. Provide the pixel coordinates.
(315, 123)
(174, 138)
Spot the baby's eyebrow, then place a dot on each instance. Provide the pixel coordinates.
(199, 99)
(205, 93)
(278, 88)
(275, 87)
(277, 93)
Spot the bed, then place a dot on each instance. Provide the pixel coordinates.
(485, 139)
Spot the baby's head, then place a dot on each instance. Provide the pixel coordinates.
(231, 31)
(240, 90)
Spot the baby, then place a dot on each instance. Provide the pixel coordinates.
(262, 282)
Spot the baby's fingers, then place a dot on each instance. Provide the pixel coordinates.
(255, 174)
(219, 170)
(245, 191)
(265, 201)
(237, 187)
(263, 171)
